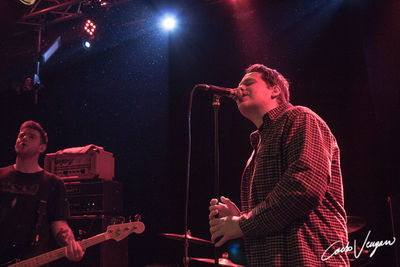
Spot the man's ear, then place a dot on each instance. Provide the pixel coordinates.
(42, 148)
(276, 91)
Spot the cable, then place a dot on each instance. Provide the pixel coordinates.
(186, 245)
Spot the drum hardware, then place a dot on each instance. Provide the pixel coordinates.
(190, 238)
(224, 261)
(355, 223)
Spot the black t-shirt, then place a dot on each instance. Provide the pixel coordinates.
(20, 195)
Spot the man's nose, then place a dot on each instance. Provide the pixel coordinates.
(242, 90)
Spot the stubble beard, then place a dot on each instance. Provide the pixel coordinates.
(24, 153)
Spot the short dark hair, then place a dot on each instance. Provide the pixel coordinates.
(272, 77)
(36, 126)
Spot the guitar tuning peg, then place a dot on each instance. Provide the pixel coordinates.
(114, 220)
(138, 217)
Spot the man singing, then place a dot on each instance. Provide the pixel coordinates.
(291, 189)
(32, 202)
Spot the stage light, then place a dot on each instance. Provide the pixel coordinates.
(52, 49)
(90, 27)
(168, 22)
(86, 44)
(27, 2)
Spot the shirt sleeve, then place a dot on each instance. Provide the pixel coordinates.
(306, 148)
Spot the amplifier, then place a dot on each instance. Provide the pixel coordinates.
(70, 166)
(94, 197)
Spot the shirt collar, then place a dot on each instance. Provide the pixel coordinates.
(273, 114)
(255, 137)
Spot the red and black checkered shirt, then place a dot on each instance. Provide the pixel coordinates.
(292, 192)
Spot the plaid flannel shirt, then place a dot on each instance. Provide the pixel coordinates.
(292, 192)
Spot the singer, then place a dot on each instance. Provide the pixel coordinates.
(292, 207)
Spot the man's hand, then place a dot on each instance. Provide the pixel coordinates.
(224, 208)
(65, 237)
(74, 251)
(227, 228)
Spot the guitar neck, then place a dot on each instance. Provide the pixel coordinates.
(58, 253)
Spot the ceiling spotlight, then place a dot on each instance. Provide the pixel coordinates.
(168, 23)
(86, 44)
(27, 2)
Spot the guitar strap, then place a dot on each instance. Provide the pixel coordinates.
(42, 207)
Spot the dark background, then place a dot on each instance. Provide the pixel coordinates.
(129, 93)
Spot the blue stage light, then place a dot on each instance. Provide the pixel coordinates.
(86, 44)
(168, 22)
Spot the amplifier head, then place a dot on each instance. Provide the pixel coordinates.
(81, 165)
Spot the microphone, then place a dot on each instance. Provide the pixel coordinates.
(221, 91)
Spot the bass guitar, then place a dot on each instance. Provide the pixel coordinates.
(116, 232)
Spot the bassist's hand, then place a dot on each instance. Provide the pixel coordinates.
(74, 251)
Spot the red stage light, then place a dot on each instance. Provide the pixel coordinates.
(89, 27)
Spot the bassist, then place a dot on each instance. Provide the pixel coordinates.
(33, 206)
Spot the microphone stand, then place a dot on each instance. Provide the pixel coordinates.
(216, 104)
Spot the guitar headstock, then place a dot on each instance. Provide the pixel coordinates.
(120, 231)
